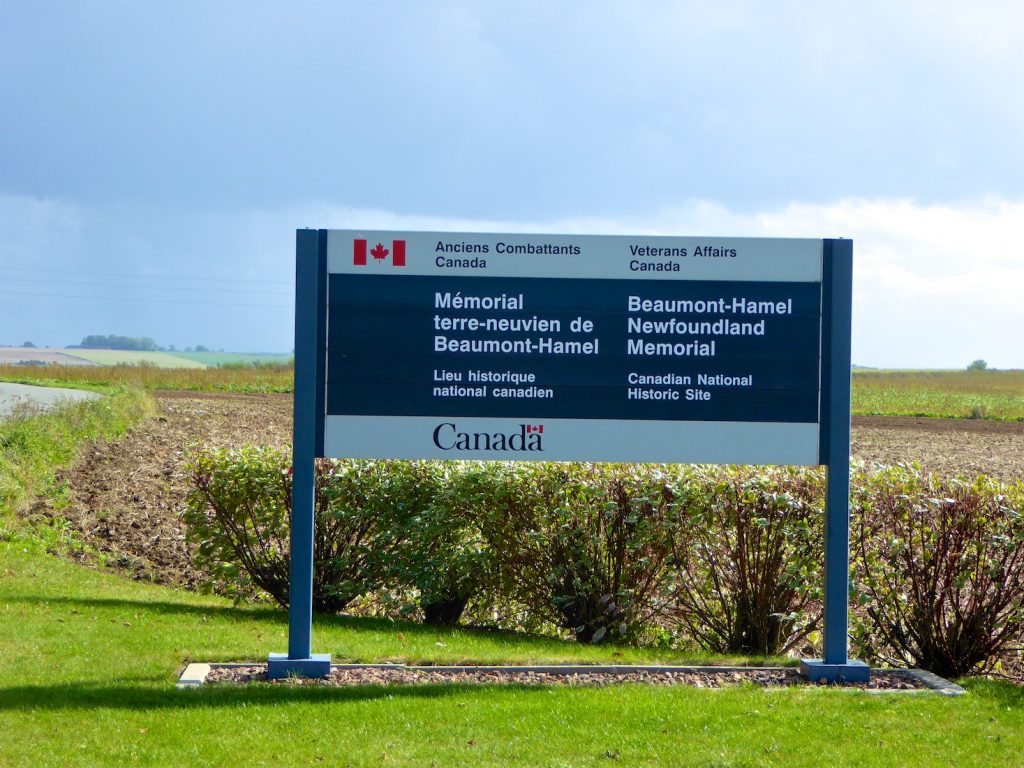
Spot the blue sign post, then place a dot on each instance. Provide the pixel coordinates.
(837, 291)
(310, 332)
(572, 348)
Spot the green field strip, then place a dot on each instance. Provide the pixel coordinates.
(126, 357)
(229, 358)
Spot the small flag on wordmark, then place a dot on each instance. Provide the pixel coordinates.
(538, 428)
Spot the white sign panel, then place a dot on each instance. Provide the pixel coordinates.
(566, 347)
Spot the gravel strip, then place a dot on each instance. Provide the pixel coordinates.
(882, 680)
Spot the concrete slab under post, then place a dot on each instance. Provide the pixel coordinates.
(279, 665)
(817, 670)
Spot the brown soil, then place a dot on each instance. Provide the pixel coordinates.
(945, 446)
(126, 498)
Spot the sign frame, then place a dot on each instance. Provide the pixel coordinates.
(310, 410)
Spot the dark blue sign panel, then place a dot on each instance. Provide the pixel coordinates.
(706, 350)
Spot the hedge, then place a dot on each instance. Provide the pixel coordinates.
(725, 558)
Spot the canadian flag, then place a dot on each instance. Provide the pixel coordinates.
(379, 252)
(538, 428)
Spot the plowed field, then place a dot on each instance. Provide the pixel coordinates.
(126, 498)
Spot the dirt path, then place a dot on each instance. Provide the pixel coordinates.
(126, 498)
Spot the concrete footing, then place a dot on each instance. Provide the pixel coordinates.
(850, 672)
(279, 665)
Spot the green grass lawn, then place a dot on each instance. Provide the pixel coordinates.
(88, 662)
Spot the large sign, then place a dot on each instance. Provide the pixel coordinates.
(556, 347)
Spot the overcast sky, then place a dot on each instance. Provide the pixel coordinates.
(157, 157)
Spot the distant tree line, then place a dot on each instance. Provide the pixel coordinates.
(132, 343)
(129, 343)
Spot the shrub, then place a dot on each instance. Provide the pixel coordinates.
(748, 557)
(238, 516)
(428, 540)
(582, 545)
(365, 523)
(444, 557)
(939, 569)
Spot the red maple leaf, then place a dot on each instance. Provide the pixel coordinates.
(380, 252)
